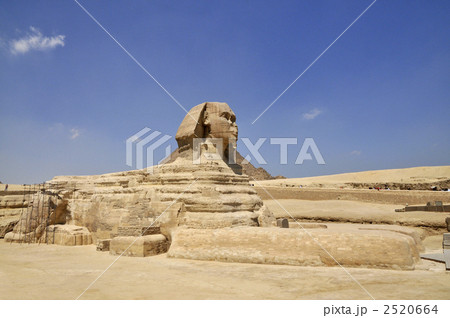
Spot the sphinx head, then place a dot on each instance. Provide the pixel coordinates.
(208, 120)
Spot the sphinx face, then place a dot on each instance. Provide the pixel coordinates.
(220, 122)
(208, 120)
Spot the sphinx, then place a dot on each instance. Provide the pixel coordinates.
(206, 194)
(219, 194)
(198, 205)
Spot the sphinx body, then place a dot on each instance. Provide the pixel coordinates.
(206, 195)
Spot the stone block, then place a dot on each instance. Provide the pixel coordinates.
(377, 249)
(103, 245)
(137, 230)
(152, 230)
(142, 246)
(68, 235)
(283, 223)
(446, 241)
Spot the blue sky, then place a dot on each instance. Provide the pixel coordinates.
(70, 96)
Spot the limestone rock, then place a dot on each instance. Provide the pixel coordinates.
(207, 120)
(68, 235)
(103, 245)
(296, 225)
(7, 225)
(247, 168)
(12, 204)
(380, 249)
(44, 209)
(139, 246)
(138, 230)
(265, 217)
(283, 223)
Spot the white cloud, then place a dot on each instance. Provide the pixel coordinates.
(35, 41)
(59, 129)
(313, 113)
(74, 133)
(355, 152)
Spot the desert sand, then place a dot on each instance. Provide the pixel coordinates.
(408, 175)
(344, 211)
(30, 271)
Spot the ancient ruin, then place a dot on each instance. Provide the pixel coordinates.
(199, 206)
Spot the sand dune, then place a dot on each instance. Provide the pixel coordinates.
(415, 175)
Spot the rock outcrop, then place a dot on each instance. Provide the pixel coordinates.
(59, 234)
(44, 221)
(12, 204)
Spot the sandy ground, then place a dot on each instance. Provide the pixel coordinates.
(408, 175)
(59, 272)
(353, 211)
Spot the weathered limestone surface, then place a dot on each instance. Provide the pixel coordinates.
(103, 245)
(67, 234)
(211, 194)
(12, 203)
(380, 249)
(364, 195)
(137, 231)
(139, 246)
(44, 219)
(59, 234)
(44, 209)
(12, 199)
(7, 225)
(247, 168)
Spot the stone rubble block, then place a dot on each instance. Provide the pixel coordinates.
(143, 246)
(103, 245)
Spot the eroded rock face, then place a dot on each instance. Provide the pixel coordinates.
(12, 203)
(206, 194)
(59, 234)
(44, 219)
(7, 226)
(44, 209)
(317, 247)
